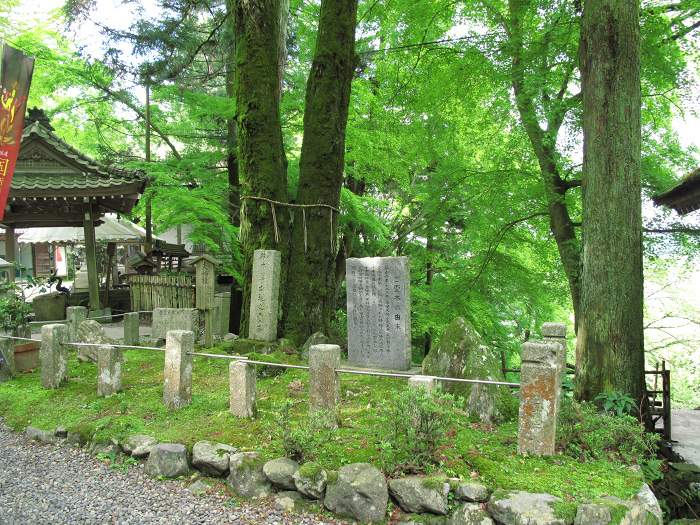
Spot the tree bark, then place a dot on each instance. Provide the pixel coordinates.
(610, 343)
(261, 160)
(311, 285)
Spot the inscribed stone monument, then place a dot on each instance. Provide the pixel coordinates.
(264, 295)
(379, 312)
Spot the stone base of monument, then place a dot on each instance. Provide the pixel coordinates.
(248, 346)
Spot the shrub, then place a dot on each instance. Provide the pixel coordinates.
(415, 423)
(302, 438)
(13, 308)
(586, 433)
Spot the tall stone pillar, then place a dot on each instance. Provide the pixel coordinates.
(75, 315)
(177, 377)
(7, 359)
(540, 388)
(264, 295)
(131, 328)
(109, 370)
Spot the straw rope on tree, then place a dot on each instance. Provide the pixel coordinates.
(273, 203)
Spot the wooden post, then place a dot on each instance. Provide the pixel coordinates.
(10, 253)
(149, 222)
(91, 256)
(111, 250)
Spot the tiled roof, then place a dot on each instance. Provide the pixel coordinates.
(78, 172)
(685, 196)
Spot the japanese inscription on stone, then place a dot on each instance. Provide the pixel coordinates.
(379, 312)
(264, 295)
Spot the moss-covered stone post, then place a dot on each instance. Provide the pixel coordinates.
(177, 377)
(7, 359)
(539, 398)
(242, 389)
(205, 284)
(324, 384)
(53, 357)
(556, 333)
(109, 370)
(131, 328)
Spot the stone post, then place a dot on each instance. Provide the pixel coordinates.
(131, 328)
(7, 359)
(324, 385)
(264, 295)
(75, 315)
(53, 356)
(539, 398)
(242, 389)
(177, 384)
(556, 333)
(109, 370)
(426, 382)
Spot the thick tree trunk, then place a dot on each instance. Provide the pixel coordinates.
(311, 285)
(261, 158)
(610, 344)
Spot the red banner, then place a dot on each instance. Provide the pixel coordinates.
(15, 78)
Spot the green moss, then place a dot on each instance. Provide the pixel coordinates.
(310, 471)
(434, 482)
(332, 477)
(490, 452)
(565, 511)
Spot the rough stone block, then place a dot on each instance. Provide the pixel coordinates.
(166, 319)
(109, 370)
(426, 382)
(7, 360)
(177, 376)
(324, 384)
(540, 388)
(379, 312)
(90, 331)
(242, 389)
(131, 328)
(53, 356)
(264, 295)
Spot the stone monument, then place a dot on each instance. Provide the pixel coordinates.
(379, 312)
(264, 295)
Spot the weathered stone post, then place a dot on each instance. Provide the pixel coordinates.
(7, 359)
(131, 328)
(556, 333)
(426, 382)
(540, 388)
(75, 315)
(177, 385)
(264, 295)
(109, 370)
(53, 356)
(242, 389)
(205, 280)
(324, 385)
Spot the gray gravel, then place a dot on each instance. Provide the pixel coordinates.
(59, 484)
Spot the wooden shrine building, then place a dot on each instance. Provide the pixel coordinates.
(684, 197)
(56, 185)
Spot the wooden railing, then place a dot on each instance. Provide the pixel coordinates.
(161, 291)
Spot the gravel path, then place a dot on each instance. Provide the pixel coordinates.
(59, 484)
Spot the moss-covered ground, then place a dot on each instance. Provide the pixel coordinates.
(475, 451)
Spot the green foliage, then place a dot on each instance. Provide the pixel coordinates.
(301, 439)
(585, 433)
(417, 423)
(616, 403)
(14, 310)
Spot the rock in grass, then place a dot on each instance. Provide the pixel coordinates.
(423, 519)
(138, 445)
(281, 472)
(317, 338)
(198, 488)
(420, 494)
(643, 509)
(168, 460)
(287, 500)
(246, 476)
(310, 479)
(212, 458)
(460, 353)
(41, 436)
(359, 491)
(524, 508)
(470, 491)
(593, 514)
(469, 514)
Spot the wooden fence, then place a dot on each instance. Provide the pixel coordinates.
(161, 291)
